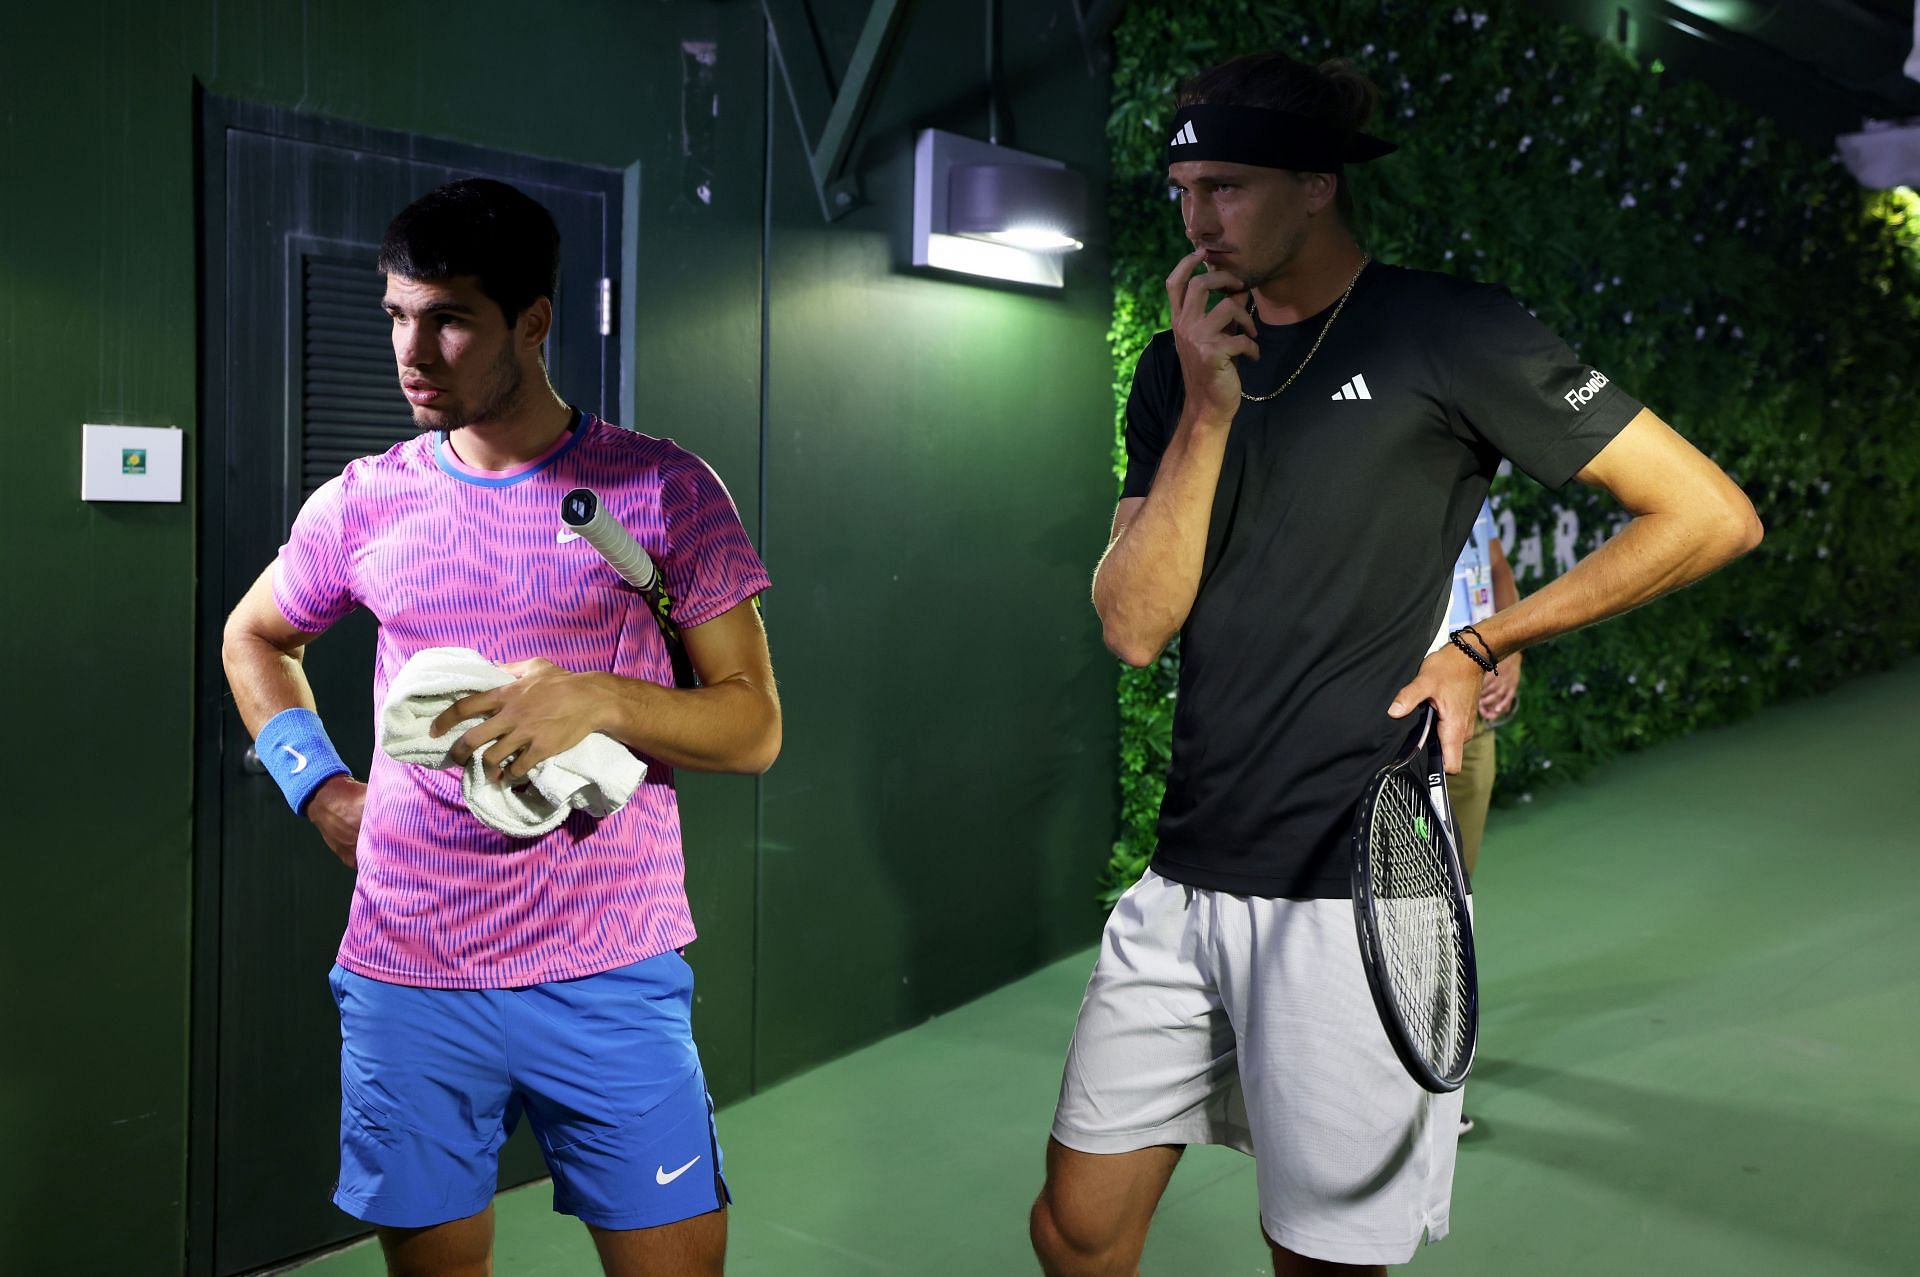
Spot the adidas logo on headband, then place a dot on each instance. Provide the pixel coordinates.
(1269, 139)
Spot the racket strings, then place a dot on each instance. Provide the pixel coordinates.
(1419, 931)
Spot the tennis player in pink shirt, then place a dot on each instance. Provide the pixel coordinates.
(485, 977)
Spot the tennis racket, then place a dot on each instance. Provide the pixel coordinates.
(581, 510)
(1410, 906)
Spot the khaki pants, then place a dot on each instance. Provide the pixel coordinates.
(1470, 790)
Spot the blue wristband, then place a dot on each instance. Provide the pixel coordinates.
(294, 748)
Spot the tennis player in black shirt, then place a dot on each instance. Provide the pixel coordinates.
(1305, 458)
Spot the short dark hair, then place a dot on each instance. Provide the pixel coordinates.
(1336, 92)
(479, 227)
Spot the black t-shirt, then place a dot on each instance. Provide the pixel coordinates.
(1341, 509)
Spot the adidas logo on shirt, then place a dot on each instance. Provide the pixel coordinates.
(1185, 137)
(1355, 389)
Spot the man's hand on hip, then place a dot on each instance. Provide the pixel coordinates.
(1451, 680)
(335, 811)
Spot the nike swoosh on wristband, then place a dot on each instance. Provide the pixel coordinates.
(663, 1176)
(300, 763)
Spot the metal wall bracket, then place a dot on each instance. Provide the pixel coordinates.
(833, 118)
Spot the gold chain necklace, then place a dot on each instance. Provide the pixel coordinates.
(1254, 313)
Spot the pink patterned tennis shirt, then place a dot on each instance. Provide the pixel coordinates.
(447, 556)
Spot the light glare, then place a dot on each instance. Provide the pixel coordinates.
(1037, 239)
(995, 261)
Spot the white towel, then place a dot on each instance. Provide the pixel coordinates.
(596, 776)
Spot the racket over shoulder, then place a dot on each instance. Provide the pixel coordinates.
(582, 510)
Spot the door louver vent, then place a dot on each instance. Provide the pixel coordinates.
(350, 403)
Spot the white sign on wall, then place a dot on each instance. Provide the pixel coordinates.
(130, 463)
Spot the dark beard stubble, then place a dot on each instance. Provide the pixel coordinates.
(497, 396)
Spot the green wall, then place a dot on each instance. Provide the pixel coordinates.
(937, 497)
(935, 493)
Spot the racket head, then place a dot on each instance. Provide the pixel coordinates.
(1411, 916)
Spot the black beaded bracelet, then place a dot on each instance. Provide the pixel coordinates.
(1455, 639)
(1468, 629)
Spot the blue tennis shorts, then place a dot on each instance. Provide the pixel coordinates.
(432, 1081)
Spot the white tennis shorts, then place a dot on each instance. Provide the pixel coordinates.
(1220, 1019)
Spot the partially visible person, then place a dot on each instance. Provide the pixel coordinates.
(1482, 585)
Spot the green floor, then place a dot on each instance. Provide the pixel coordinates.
(1701, 979)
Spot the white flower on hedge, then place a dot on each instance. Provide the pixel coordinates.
(1747, 145)
(1558, 98)
(1660, 688)
(1545, 763)
(1599, 285)
(1466, 234)
(1720, 318)
(1737, 334)
(1446, 76)
(1526, 142)
(1366, 51)
(1449, 256)
(1577, 689)
(1699, 238)
(1575, 164)
(1740, 224)
(1529, 53)
(1459, 15)
(1502, 96)
(1700, 333)
(1637, 109)
(1627, 200)
(1479, 20)
(1626, 317)
(1393, 55)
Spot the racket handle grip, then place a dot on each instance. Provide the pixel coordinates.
(581, 510)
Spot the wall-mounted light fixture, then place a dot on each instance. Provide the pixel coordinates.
(981, 209)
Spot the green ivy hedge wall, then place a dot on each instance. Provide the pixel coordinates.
(1740, 284)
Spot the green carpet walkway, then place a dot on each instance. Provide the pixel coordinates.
(1701, 980)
